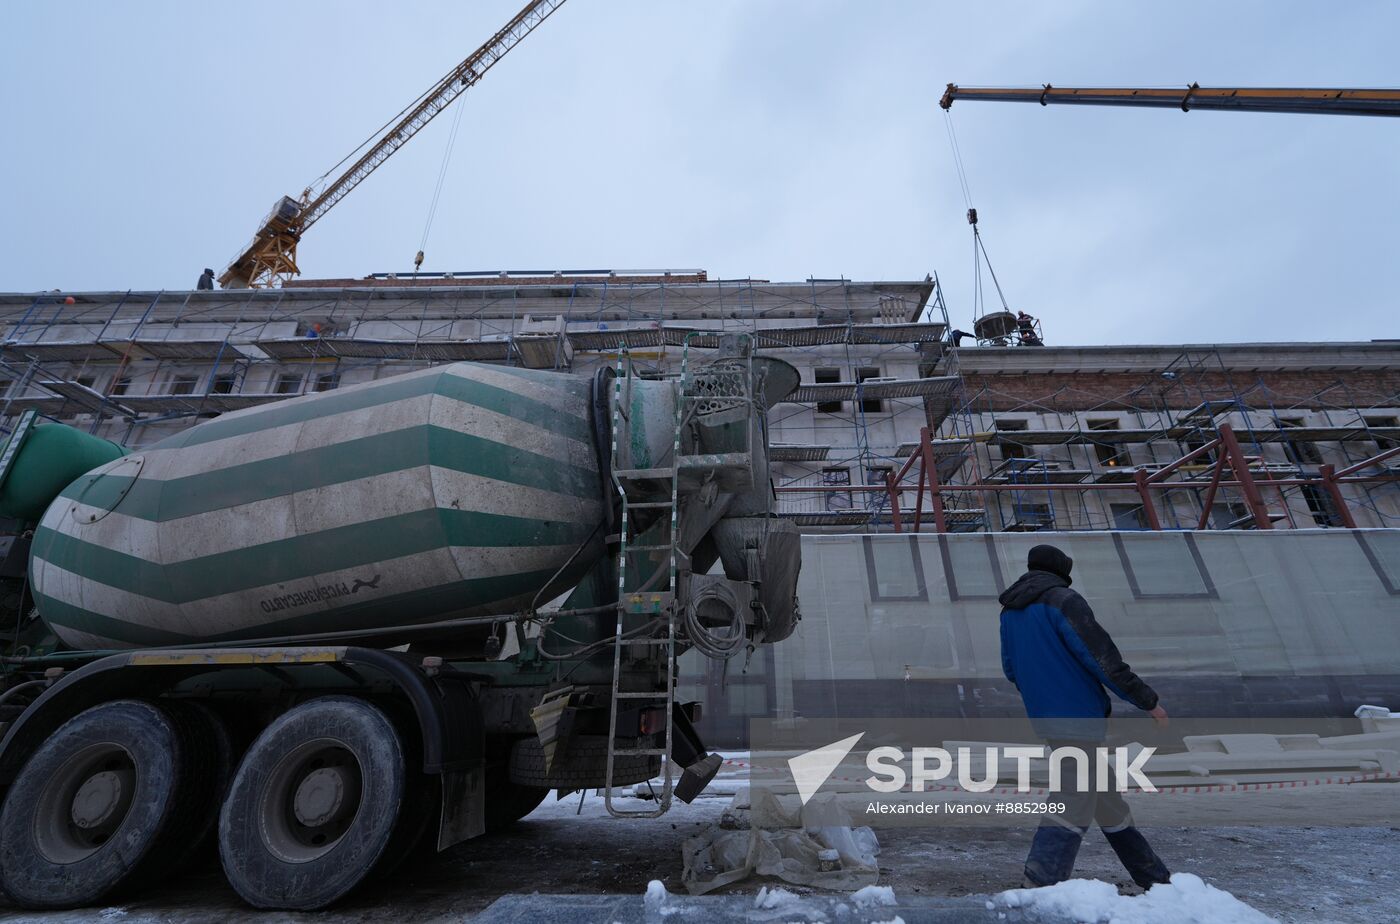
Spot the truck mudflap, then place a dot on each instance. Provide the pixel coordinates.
(444, 703)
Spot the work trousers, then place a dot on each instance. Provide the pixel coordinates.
(1057, 840)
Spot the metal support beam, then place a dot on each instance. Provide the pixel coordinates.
(1339, 502)
(940, 521)
(1252, 498)
(1148, 508)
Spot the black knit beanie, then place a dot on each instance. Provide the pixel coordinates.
(1049, 558)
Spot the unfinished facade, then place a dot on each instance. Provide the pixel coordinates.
(1022, 438)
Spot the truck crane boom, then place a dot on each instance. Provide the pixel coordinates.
(1373, 102)
(270, 258)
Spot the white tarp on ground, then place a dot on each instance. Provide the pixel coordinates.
(793, 852)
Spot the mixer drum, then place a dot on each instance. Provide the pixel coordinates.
(454, 491)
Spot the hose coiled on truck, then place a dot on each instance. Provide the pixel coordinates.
(707, 640)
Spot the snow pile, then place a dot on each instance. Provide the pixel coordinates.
(656, 898)
(780, 906)
(774, 898)
(874, 895)
(1186, 900)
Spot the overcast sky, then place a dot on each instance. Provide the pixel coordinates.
(751, 138)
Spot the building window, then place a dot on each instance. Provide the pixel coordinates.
(1320, 505)
(1192, 443)
(183, 385)
(837, 500)
(878, 475)
(1299, 452)
(1110, 455)
(1383, 442)
(869, 405)
(222, 384)
(120, 385)
(87, 381)
(1230, 516)
(827, 376)
(288, 383)
(1030, 517)
(327, 381)
(1009, 448)
(1128, 516)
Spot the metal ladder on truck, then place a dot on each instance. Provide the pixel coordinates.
(634, 598)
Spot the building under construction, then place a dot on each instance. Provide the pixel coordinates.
(893, 429)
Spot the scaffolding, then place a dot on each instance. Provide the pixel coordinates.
(1191, 422)
(884, 412)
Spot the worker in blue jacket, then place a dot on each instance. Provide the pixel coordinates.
(1064, 664)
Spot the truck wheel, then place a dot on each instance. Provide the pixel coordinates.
(313, 805)
(89, 807)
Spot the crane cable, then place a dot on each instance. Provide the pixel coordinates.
(979, 250)
(373, 136)
(437, 190)
(957, 157)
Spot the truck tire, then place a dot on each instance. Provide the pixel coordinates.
(313, 805)
(584, 766)
(97, 806)
(210, 763)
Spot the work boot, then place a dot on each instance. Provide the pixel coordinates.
(1052, 855)
(1138, 857)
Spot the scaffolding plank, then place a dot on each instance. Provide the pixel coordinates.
(68, 351)
(1030, 472)
(942, 447)
(1206, 412)
(1062, 437)
(828, 518)
(237, 402)
(174, 349)
(780, 452)
(617, 338)
(769, 338)
(44, 404)
(358, 348)
(939, 386)
(927, 332)
(162, 404)
(92, 400)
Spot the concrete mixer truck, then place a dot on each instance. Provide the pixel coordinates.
(328, 632)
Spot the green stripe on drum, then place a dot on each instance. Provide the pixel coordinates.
(301, 557)
(475, 595)
(58, 613)
(308, 469)
(456, 387)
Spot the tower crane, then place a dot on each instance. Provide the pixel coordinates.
(271, 257)
(1245, 99)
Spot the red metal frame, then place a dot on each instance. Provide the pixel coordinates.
(1144, 483)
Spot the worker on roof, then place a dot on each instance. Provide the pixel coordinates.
(1025, 330)
(1061, 660)
(206, 280)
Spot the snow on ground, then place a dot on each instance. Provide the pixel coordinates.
(874, 895)
(1186, 900)
(774, 897)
